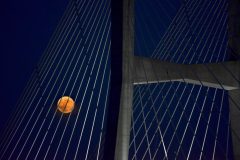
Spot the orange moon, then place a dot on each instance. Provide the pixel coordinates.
(65, 104)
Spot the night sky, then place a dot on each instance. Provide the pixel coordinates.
(41, 130)
(26, 30)
(26, 27)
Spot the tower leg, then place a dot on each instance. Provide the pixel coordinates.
(124, 119)
(235, 121)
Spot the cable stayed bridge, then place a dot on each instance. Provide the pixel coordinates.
(151, 80)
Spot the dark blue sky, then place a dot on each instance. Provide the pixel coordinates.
(26, 27)
(41, 130)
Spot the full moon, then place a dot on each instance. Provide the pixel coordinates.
(65, 104)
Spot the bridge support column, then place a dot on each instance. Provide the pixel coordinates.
(124, 119)
(234, 38)
(234, 27)
(235, 120)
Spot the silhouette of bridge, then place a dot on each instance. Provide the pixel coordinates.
(154, 79)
